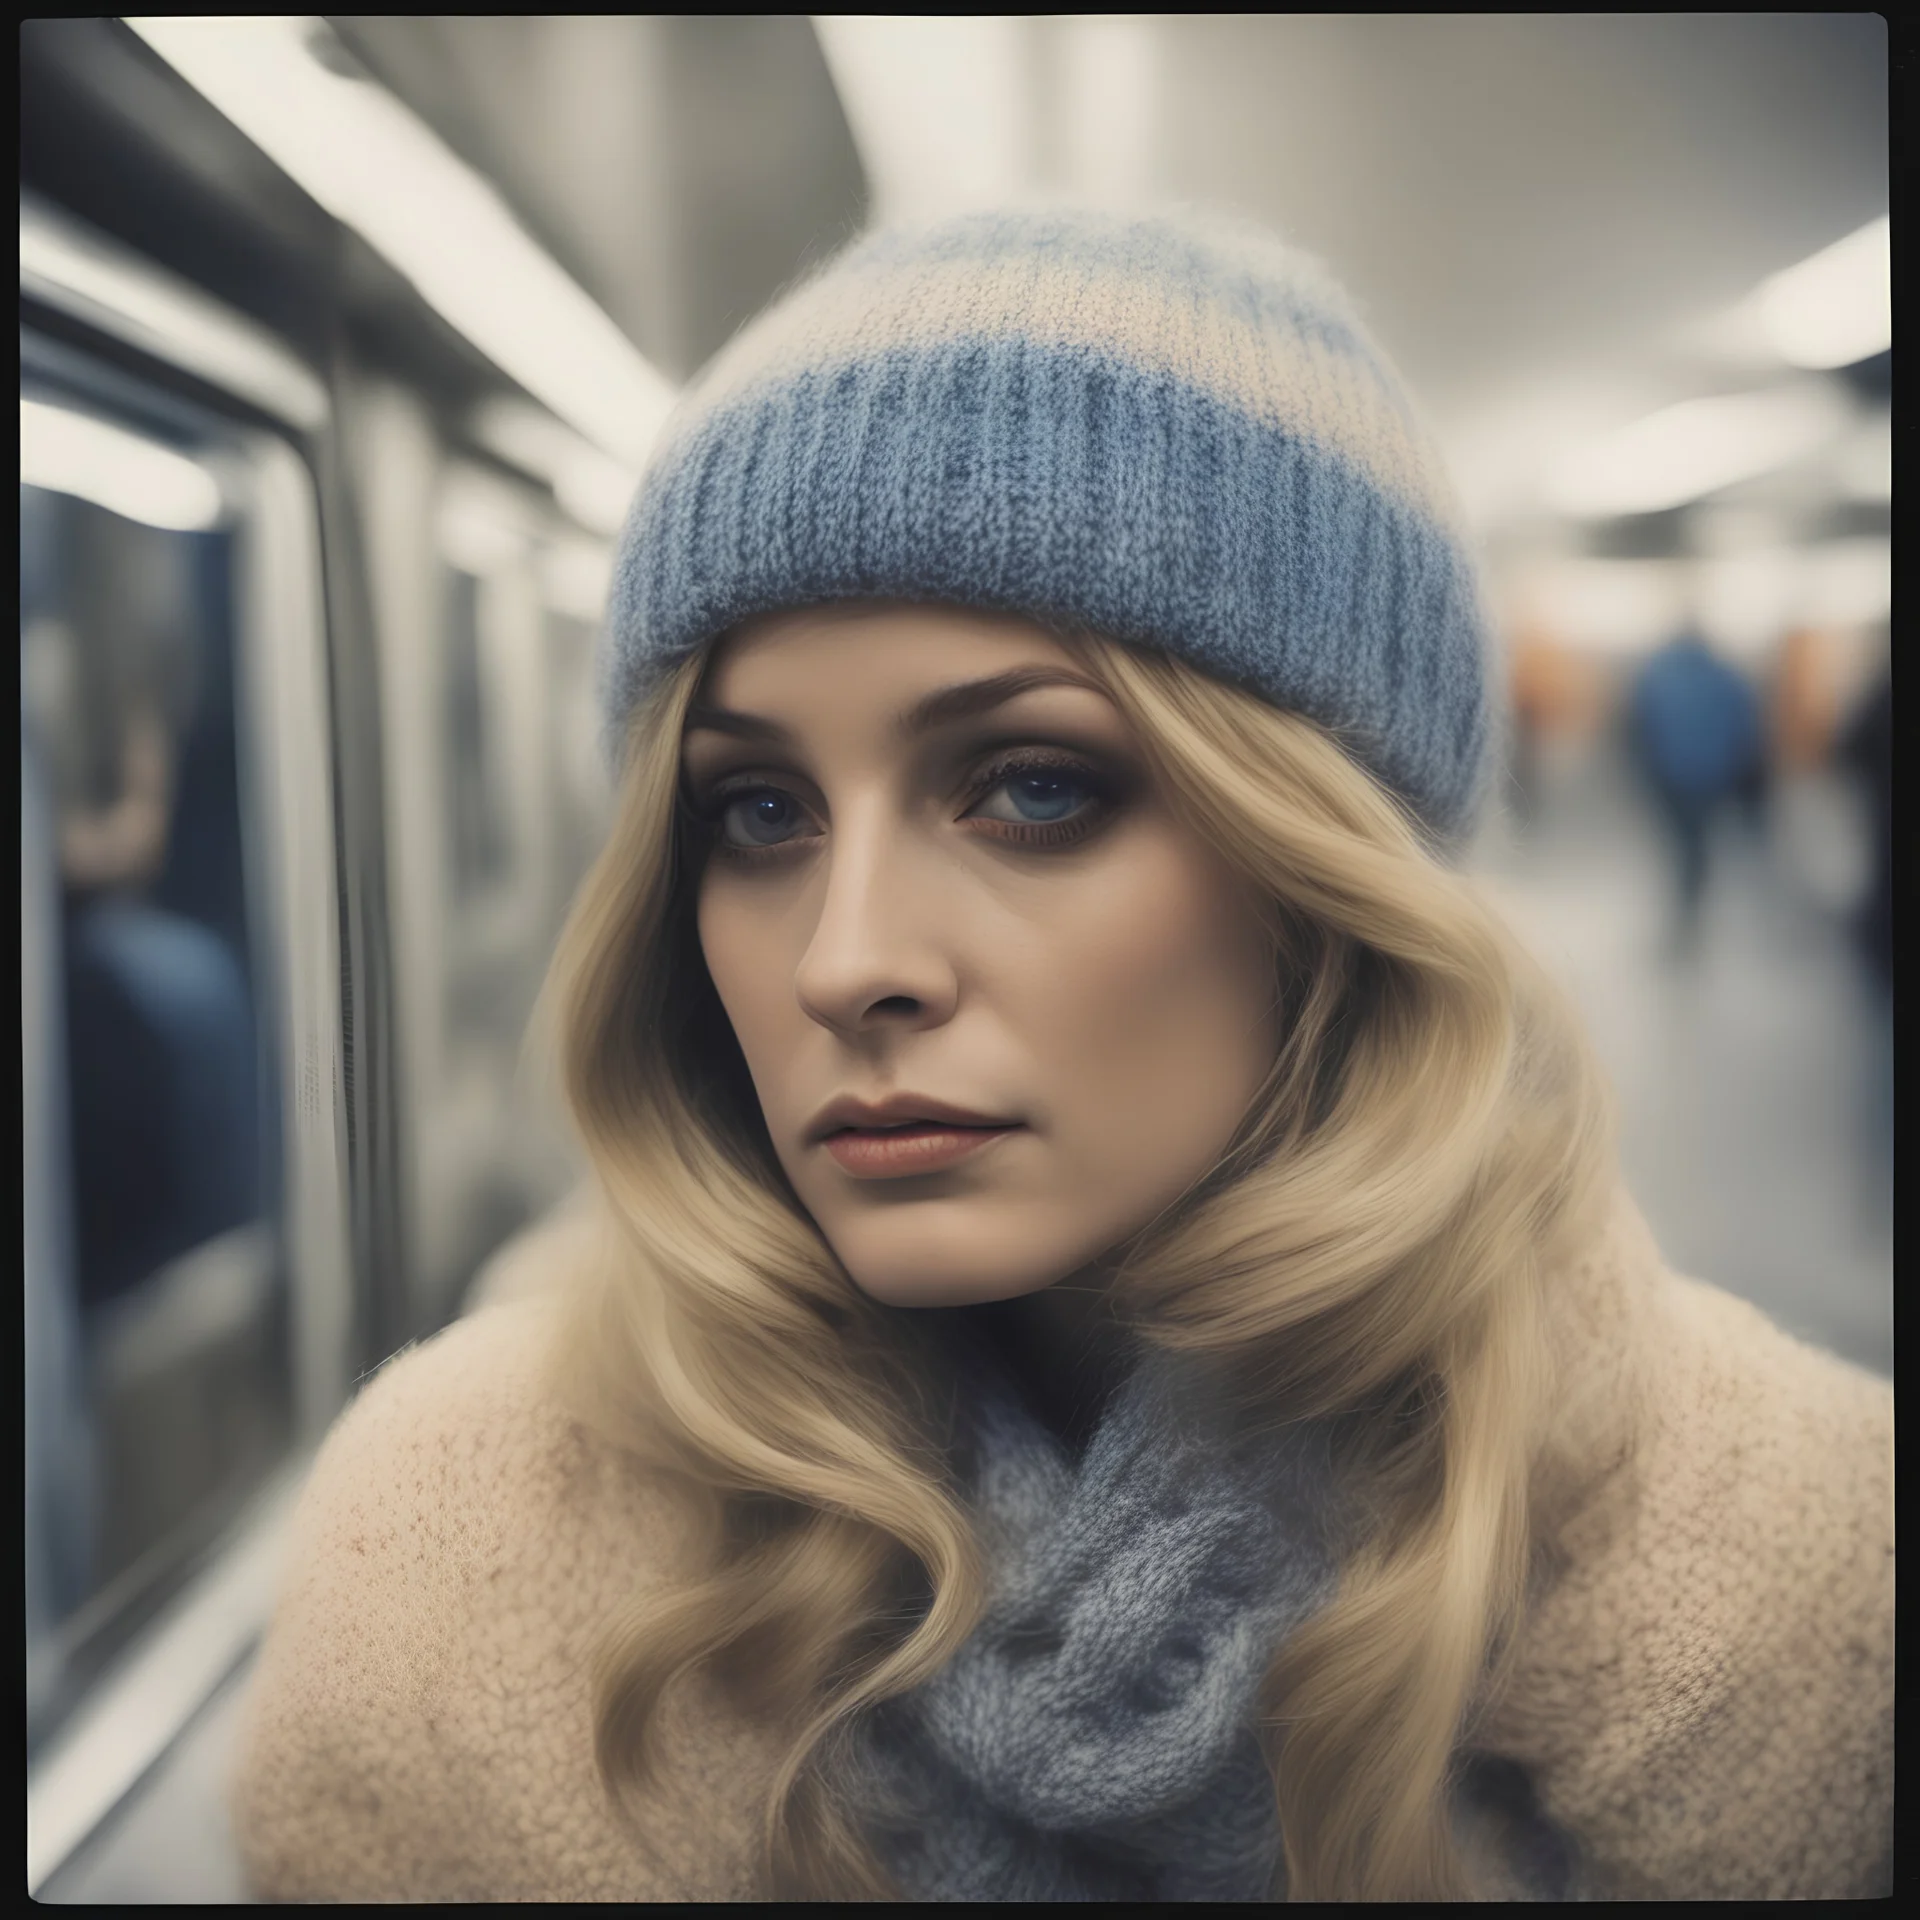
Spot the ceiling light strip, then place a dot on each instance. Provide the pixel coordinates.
(379, 169)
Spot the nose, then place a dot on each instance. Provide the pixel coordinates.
(876, 960)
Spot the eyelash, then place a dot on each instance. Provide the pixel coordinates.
(710, 811)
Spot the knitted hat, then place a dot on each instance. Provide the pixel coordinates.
(1168, 429)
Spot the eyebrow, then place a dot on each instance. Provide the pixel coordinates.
(939, 708)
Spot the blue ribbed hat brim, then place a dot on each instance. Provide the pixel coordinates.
(1252, 552)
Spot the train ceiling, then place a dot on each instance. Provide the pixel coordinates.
(1507, 193)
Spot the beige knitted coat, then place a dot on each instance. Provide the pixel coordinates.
(1703, 1698)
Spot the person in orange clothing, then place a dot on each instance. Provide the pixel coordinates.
(1552, 697)
(1803, 711)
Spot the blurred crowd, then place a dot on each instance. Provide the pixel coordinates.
(1719, 746)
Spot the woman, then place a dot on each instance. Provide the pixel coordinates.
(1113, 1366)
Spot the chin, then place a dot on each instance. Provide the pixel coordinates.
(934, 1269)
(941, 1286)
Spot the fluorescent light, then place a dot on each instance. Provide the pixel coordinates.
(376, 167)
(1836, 307)
(74, 453)
(938, 106)
(1684, 452)
(594, 488)
(1109, 107)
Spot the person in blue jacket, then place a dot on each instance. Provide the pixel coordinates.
(1697, 734)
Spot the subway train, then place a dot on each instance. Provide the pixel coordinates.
(309, 773)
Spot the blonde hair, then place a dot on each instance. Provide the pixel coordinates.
(1431, 1141)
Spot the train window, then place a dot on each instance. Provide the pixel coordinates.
(164, 1302)
(478, 848)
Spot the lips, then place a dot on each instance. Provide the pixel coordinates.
(893, 1153)
(897, 1112)
(904, 1134)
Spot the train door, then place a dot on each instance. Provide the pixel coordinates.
(188, 1301)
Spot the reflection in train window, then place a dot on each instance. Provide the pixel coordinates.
(159, 1379)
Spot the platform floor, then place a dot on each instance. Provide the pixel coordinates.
(1753, 1073)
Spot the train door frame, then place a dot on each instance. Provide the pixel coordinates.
(435, 510)
(88, 301)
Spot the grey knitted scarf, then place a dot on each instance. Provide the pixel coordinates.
(1093, 1740)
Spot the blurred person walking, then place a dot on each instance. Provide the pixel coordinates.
(1532, 703)
(1801, 700)
(1552, 701)
(1696, 732)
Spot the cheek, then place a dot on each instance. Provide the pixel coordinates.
(1158, 1012)
(743, 961)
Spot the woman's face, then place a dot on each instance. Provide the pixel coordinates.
(999, 1004)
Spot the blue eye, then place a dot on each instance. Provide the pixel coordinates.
(1044, 796)
(762, 818)
(1041, 797)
